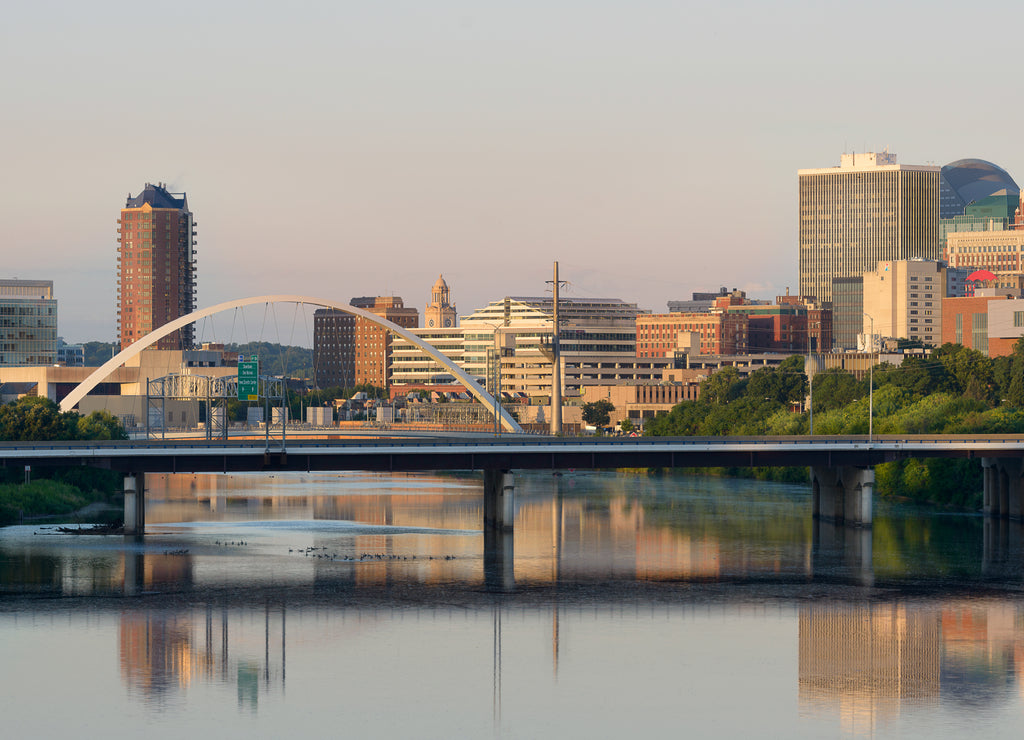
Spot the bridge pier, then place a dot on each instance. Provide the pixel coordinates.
(499, 499)
(843, 494)
(135, 503)
(1003, 487)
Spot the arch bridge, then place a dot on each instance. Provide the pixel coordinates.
(80, 391)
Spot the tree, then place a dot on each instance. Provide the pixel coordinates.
(100, 425)
(834, 389)
(598, 413)
(36, 419)
(723, 386)
(965, 365)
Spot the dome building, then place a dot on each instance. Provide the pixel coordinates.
(972, 181)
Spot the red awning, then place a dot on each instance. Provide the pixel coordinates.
(981, 275)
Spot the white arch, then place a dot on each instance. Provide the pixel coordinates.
(98, 375)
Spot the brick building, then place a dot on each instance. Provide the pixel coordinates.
(350, 350)
(991, 323)
(156, 266)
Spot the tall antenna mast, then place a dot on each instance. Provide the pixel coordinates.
(556, 365)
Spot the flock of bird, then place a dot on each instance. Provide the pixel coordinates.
(311, 552)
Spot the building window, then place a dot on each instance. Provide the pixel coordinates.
(1018, 318)
(979, 332)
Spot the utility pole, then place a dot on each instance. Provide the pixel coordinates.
(556, 365)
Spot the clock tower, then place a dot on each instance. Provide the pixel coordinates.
(440, 313)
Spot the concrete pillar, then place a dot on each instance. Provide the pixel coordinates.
(135, 503)
(499, 499)
(990, 503)
(859, 496)
(1004, 491)
(843, 494)
(1011, 468)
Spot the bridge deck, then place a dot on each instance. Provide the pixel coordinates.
(507, 452)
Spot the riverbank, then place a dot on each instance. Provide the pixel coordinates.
(48, 500)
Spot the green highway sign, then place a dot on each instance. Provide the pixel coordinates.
(249, 380)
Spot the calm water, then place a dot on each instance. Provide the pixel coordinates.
(371, 606)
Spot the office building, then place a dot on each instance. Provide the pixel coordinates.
(867, 210)
(349, 350)
(70, 355)
(903, 300)
(28, 323)
(156, 266)
(999, 252)
(847, 311)
(334, 348)
(697, 332)
(975, 195)
(991, 321)
(373, 342)
(597, 339)
(967, 182)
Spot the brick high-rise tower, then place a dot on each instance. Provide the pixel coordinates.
(156, 266)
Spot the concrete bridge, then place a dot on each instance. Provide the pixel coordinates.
(842, 475)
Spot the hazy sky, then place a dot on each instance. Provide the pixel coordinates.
(338, 149)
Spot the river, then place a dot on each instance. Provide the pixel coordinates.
(364, 605)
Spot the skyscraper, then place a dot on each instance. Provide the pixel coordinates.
(156, 266)
(867, 210)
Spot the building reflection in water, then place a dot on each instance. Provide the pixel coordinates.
(868, 661)
(589, 528)
(162, 653)
(344, 532)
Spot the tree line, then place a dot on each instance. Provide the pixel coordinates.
(955, 390)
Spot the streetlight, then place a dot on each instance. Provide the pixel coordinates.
(494, 355)
(871, 383)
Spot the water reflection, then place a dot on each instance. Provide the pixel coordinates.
(678, 597)
(870, 662)
(862, 668)
(163, 653)
(336, 533)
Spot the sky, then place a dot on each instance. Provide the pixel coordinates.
(339, 149)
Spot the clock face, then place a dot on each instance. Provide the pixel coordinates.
(447, 322)
(430, 323)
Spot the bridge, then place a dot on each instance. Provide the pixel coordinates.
(841, 468)
(842, 476)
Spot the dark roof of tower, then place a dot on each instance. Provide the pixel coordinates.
(157, 197)
(967, 181)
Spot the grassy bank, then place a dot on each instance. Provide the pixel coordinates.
(41, 498)
(63, 492)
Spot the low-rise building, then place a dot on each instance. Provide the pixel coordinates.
(28, 323)
(991, 321)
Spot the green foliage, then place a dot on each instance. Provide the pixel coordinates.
(1010, 373)
(38, 498)
(100, 425)
(944, 481)
(723, 386)
(836, 388)
(36, 419)
(955, 391)
(598, 413)
(277, 359)
(626, 426)
(96, 353)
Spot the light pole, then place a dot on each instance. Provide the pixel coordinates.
(871, 383)
(494, 355)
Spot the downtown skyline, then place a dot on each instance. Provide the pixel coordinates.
(337, 150)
